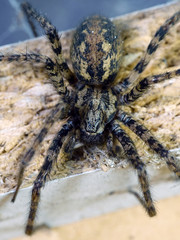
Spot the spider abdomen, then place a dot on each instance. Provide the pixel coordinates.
(95, 51)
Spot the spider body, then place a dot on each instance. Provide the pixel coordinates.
(92, 104)
(95, 55)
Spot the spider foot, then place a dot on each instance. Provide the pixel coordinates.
(150, 209)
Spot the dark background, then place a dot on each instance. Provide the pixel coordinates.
(64, 14)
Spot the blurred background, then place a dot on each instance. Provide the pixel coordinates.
(64, 14)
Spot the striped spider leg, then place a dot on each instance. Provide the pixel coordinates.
(131, 89)
(133, 157)
(133, 77)
(57, 71)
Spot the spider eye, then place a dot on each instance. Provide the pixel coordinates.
(96, 51)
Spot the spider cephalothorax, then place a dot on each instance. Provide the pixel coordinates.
(91, 103)
(96, 108)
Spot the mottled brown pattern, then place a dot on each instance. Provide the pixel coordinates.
(94, 40)
(96, 51)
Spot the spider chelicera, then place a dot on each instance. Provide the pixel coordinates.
(91, 103)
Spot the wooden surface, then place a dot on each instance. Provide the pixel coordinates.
(26, 99)
(126, 224)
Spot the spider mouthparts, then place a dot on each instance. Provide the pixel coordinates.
(90, 138)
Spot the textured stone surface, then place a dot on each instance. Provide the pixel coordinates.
(26, 98)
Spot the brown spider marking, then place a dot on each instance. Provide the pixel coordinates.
(91, 102)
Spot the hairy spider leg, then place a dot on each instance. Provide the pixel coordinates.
(138, 90)
(51, 157)
(110, 145)
(114, 150)
(138, 197)
(57, 113)
(133, 78)
(53, 37)
(150, 140)
(132, 155)
(30, 22)
(68, 147)
(55, 75)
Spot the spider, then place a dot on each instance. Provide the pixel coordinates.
(91, 103)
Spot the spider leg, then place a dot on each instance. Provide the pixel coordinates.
(54, 73)
(130, 81)
(51, 157)
(57, 113)
(110, 145)
(114, 150)
(138, 90)
(150, 140)
(68, 147)
(30, 22)
(133, 157)
(53, 37)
